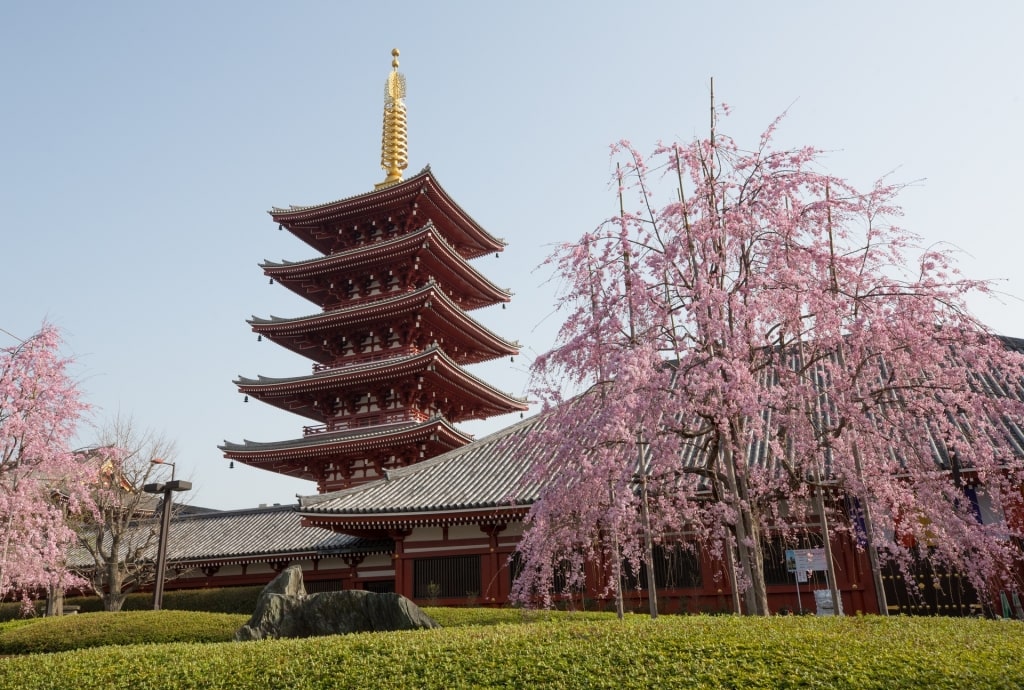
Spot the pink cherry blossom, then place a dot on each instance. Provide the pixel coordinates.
(760, 338)
(42, 480)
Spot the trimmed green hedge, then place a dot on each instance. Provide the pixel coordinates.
(457, 617)
(224, 600)
(569, 651)
(57, 634)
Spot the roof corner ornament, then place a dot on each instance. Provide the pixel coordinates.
(394, 154)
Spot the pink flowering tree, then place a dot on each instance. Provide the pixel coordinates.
(761, 349)
(42, 480)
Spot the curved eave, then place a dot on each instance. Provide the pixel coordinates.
(397, 196)
(236, 559)
(378, 546)
(345, 443)
(352, 205)
(380, 523)
(427, 243)
(442, 374)
(440, 313)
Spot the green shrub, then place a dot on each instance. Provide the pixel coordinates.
(85, 630)
(567, 651)
(457, 617)
(223, 600)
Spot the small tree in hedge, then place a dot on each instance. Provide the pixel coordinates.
(118, 545)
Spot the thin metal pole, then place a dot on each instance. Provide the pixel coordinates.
(617, 559)
(161, 556)
(830, 568)
(652, 588)
(799, 601)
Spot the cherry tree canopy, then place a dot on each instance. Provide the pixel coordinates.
(764, 337)
(41, 478)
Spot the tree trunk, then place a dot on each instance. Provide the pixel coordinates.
(113, 597)
(758, 592)
(746, 528)
(55, 601)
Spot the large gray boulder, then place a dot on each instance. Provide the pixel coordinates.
(285, 610)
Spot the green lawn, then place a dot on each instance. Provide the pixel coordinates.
(507, 648)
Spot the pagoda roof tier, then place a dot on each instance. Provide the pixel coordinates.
(320, 280)
(464, 396)
(342, 224)
(293, 457)
(433, 310)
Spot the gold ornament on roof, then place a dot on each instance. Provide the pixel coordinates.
(394, 154)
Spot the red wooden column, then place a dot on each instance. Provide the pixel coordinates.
(349, 580)
(403, 579)
(494, 587)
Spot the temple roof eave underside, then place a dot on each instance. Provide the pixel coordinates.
(426, 242)
(376, 522)
(433, 362)
(363, 547)
(445, 313)
(348, 441)
(368, 253)
(392, 196)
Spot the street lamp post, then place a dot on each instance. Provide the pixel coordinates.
(167, 489)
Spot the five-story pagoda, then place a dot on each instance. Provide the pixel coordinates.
(394, 285)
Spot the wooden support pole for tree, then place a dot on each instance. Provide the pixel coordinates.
(645, 517)
(833, 588)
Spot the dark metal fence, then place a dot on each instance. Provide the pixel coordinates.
(446, 576)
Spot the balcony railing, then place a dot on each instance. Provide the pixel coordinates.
(355, 360)
(366, 420)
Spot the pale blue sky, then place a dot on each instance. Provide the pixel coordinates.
(141, 145)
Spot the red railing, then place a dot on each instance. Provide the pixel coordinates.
(364, 359)
(366, 420)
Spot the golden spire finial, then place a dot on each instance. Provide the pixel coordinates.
(394, 154)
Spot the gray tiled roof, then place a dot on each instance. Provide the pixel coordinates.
(253, 532)
(486, 474)
(244, 535)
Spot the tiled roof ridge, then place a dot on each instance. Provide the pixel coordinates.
(431, 352)
(234, 512)
(382, 245)
(406, 300)
(428, 231)
(357, 368)
(361, 434)
(379, 197)
(292, 208)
